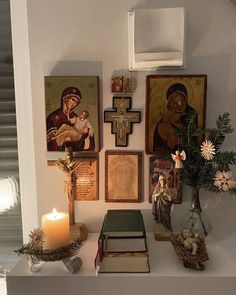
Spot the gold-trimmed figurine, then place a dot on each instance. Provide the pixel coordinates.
(68, 166)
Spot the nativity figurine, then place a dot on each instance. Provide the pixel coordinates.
(190, 248)
(190, 240)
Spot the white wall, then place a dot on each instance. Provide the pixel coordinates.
(76, 37)
(25, 127)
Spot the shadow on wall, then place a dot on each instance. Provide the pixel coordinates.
(217, 68)
(79, 68)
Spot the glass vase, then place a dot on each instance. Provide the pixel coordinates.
(196, 219)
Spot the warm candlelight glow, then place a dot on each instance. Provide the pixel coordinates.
(55, 215)
(56, 228)
(54, 211)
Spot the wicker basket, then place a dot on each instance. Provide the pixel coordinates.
(189, 260)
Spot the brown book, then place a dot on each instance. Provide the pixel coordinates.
(125, 262)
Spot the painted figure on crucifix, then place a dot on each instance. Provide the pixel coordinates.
(68, 166)
(122, 119)
(122, 123)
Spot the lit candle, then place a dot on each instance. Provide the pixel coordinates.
(56, 228)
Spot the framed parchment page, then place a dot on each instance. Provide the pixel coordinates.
(86, 180)
(123, 176)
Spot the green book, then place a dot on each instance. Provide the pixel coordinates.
(123, 223)
(122, 243)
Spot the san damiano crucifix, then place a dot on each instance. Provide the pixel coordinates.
(122, 119)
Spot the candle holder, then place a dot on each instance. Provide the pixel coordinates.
(72, 265)
(37, 256)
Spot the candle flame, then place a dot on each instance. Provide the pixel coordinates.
(55, 213)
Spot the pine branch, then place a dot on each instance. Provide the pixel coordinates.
(223, 124)
(216, 137)
(225, 158)
(212, 188)
(39, 255)
(223, 127)
(199, 172)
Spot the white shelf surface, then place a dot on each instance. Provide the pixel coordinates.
(167, 275)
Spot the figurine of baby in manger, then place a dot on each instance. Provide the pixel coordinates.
(190, 240)
(191, 249)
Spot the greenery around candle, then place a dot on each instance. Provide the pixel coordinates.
(34, 249)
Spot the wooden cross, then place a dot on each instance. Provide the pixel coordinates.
(122, 119)
(68, 166)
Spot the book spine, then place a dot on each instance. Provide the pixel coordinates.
(100, 241)
(100, 248)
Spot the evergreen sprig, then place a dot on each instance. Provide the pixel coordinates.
(40, 255)
(225, 158)
(198, 172)
(223, 123)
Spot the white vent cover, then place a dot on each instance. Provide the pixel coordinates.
(156, 38)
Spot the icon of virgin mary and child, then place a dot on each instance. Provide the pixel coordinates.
(176, 116)
(65, 127)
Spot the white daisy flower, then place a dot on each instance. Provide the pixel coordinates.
(207, 150)
(224, 180)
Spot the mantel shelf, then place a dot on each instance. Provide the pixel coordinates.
(167, 273)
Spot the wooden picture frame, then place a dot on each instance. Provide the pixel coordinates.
(174, 177)
(123, 176)
(122, 119)
(72, 113)
(122, 84)
(85, 178)
(169, 101)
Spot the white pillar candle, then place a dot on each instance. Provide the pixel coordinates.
(56, 228)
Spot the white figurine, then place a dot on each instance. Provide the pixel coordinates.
(178, 158)
(161, 200)
(190, 240)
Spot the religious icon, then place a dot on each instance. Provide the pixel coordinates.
(72, 113)
(128, 84)
(172, 101)
(122, 119)
(161, 166)
(122, 84)
(117, 84)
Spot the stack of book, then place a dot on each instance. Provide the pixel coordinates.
(122, 243)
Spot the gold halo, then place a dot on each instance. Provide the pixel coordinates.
(187, 85)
